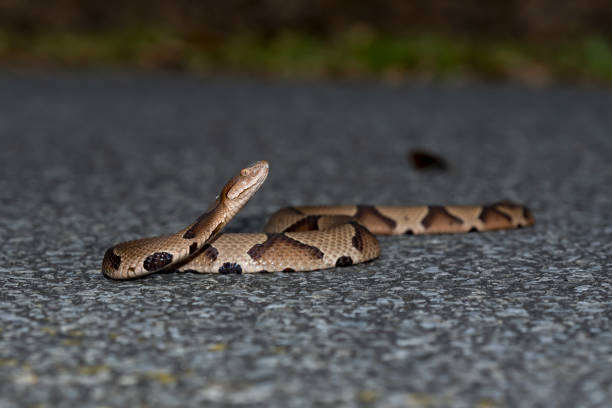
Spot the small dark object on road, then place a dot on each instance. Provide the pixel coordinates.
(423, 160)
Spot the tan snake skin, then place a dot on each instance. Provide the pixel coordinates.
(296, 238)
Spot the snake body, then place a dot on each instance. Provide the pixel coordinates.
(296, 238)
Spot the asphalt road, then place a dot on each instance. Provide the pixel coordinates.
(501, 319)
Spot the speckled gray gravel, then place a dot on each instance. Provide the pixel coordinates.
(515, 318)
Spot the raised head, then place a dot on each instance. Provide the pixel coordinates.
(244, 185)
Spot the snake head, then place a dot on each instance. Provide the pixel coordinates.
(247, 182)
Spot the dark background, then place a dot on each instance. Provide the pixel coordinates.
(536, 42)
(537, 19)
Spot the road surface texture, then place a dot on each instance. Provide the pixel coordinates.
(499, 319)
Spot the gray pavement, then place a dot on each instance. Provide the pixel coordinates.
(501, 319)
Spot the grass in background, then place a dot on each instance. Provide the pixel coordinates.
(356, 53)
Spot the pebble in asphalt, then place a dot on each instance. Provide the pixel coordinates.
(509, 318)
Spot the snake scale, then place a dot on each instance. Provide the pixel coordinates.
(295, 238)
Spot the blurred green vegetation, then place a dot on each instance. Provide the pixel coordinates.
(357, 52)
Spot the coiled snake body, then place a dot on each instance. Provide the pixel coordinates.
(295, 238)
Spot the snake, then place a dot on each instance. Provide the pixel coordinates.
(296, 239)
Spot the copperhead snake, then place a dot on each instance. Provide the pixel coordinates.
(295, 238)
